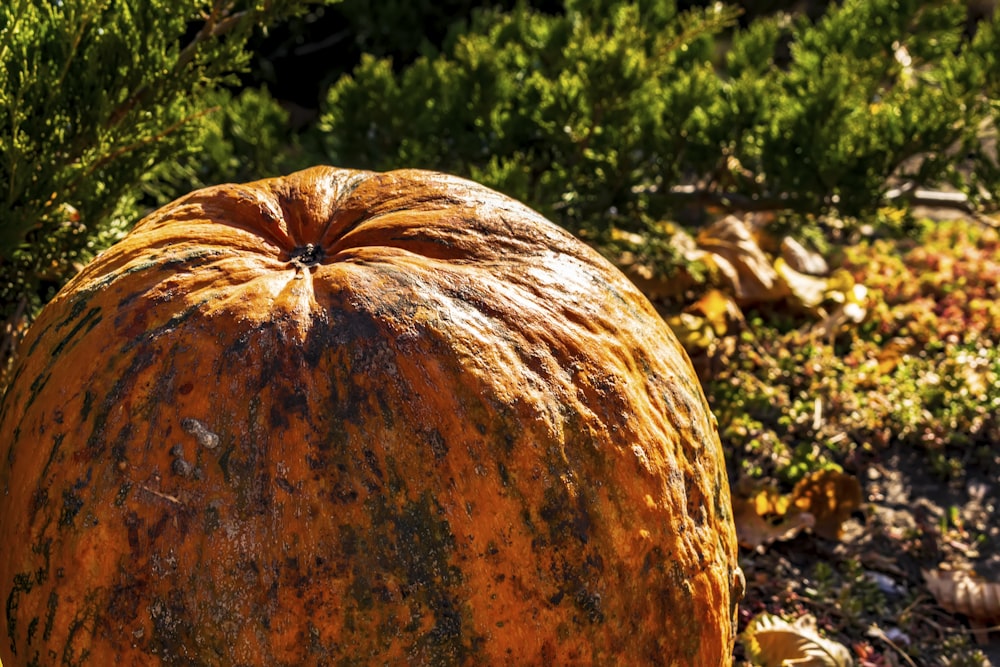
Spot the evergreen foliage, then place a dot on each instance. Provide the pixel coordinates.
(96, 97)
(621, 113)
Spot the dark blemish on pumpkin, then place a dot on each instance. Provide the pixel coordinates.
(86, 323)
(284, 485)
(557, 598)
(372, 462)
(132, 525)
(288, 403)
(565, 515)
(181, 468)
(37, 385)
(504, 475)
(122, 494)
(72, 504)
(87, 404)
(125, 598)
(50, 617)
(185, 389)
(81, 628)
(22, 584)
(79, 304)
(343, 491)
(169, 326)
(413, 544)
(156, 530)
(590, 604)
(32, 628)
(211, 519)
(224, 464)
(172, 631)
(439, 448)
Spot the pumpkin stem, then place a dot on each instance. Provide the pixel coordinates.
(307, 255)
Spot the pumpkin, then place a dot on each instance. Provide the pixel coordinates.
(345, 417)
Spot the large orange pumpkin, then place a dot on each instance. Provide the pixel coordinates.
(345, 417)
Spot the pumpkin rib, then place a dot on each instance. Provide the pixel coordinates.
(447, 433)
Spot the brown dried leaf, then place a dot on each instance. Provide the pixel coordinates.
(801, 259)
(765, 517)
(773, 642)
(810, 291)
(831, 497)
(740, 258)
(963, 593)
(822, 501)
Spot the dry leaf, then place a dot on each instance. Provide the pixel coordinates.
(831, 497)
(963, 593)
(810, 291)
(718, 309)
(738, 257)
(765, 517)
(802, 260)
(774, 642)
(822, 501)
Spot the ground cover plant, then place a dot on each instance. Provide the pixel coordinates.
(906, 402)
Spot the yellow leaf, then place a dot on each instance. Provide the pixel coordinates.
(718, 310)
(765, 518)
(831, 497)
(802, 260)
(774, 642)
(810, 291)
(694, 333)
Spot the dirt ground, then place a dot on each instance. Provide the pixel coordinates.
(912, 521)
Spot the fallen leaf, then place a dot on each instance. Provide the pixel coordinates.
(767, 517)
(831, 497)
(718, 309)
(960, 592)
(740, 259)
(801, 259)
(774, 642)
(810, 291)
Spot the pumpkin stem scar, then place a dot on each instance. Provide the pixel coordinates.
(307, 255)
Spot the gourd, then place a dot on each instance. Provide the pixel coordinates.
(345, 417)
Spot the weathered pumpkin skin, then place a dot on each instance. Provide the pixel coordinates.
(354, 418)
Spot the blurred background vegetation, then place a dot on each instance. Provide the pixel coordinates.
(761, 170)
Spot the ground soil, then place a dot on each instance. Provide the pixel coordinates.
(913, 520)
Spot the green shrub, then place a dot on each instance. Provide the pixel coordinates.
(573, 113)
(96, 98)
(622, 113)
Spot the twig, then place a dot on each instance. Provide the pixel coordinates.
(878, 633)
